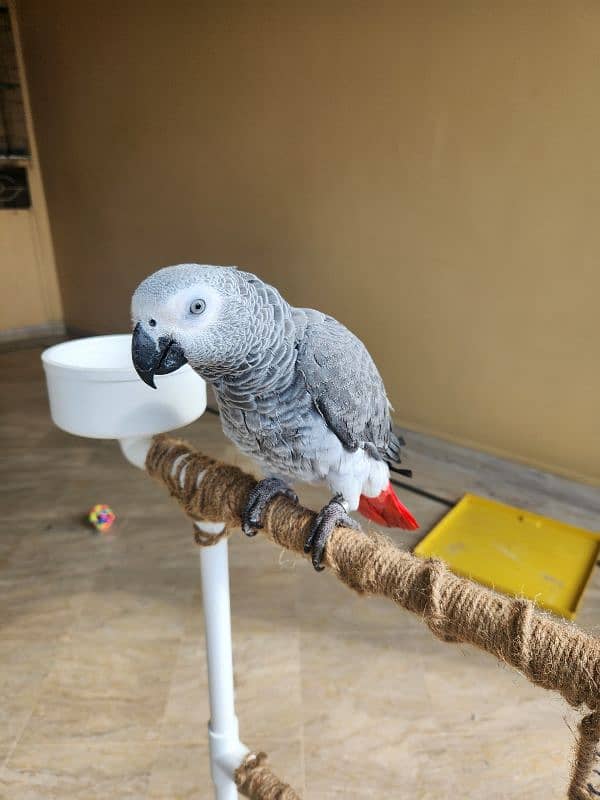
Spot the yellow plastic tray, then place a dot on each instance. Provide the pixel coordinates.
(515, 552)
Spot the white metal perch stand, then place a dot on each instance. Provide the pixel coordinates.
(95, 392)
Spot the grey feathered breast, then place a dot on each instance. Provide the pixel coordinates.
(306, 372)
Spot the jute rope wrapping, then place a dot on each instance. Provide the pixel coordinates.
(255, 780)
(549, 652)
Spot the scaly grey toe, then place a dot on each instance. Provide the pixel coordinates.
(259, 499)
(328, 518)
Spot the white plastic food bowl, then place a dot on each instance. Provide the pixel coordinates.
(94, 391)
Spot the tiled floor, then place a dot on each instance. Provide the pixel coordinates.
(102, 675)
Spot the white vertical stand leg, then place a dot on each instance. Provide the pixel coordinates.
(226, 750)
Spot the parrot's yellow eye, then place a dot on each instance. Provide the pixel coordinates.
(197, 307)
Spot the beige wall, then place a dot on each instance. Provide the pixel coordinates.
(427, 172)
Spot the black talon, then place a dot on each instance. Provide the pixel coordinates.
(328, 518)
(259, 498)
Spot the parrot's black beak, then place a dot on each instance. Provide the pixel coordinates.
(150, 358)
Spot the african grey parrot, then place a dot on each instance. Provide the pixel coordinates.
(296, 390)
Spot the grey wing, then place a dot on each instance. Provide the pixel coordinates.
(345, 385)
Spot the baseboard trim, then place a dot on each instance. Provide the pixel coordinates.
(31, 335)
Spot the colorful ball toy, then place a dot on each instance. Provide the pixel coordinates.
(102, 517)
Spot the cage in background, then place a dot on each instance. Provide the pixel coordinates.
(13, 129)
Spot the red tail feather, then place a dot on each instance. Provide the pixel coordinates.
(386, 509)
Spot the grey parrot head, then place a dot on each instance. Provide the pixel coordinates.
(210, 317)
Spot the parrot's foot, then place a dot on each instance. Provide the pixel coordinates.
(329, 517)
(259, 499)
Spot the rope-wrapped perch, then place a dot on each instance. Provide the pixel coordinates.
(254, 779)
(549, 652)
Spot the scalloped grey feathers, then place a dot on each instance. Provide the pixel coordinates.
(285, 378)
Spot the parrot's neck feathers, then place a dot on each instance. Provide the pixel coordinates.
(267, 366)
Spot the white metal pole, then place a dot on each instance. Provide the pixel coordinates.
(226, 750)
